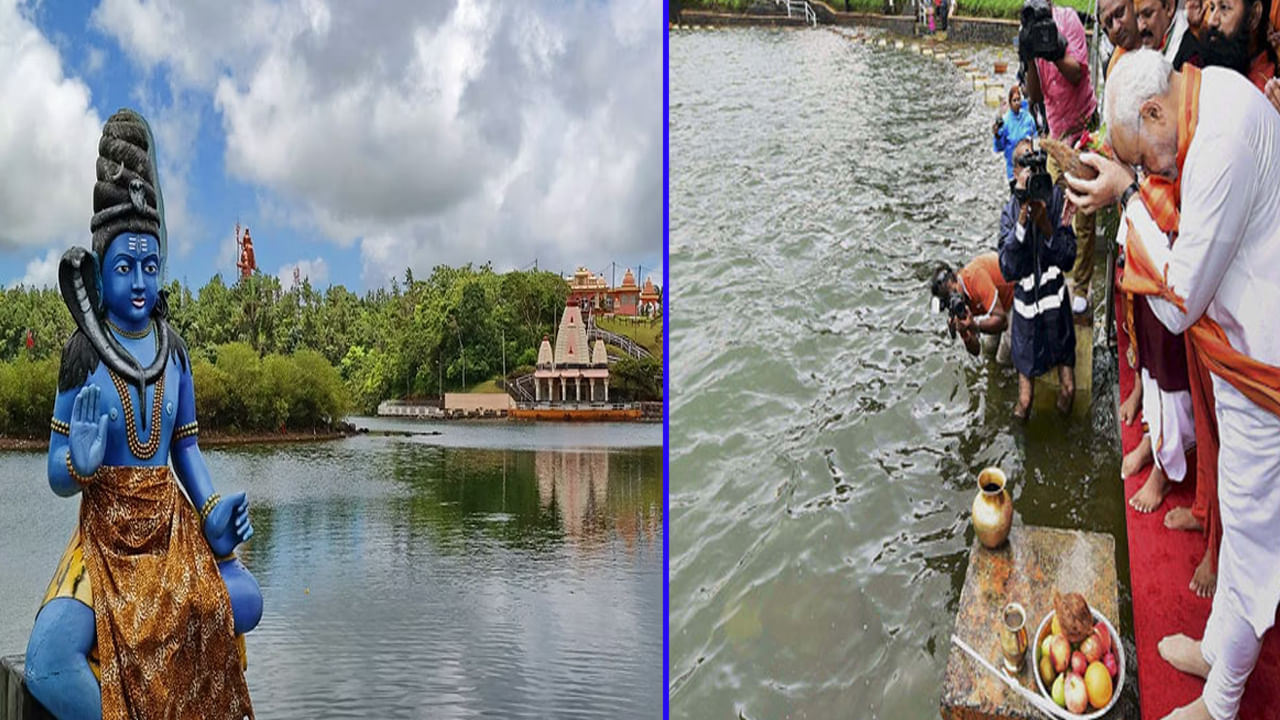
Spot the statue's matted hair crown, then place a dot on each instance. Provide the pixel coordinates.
(126, 196)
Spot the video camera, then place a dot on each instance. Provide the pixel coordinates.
(1039, 36)
(1039, 185)
(944, 298)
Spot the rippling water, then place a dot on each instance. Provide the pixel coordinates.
(493, 570)
(827, 433)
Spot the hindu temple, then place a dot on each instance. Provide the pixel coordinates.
(559, 375)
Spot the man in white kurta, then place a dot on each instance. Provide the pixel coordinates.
(1225, 264)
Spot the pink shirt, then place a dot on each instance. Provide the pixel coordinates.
(1067, 106)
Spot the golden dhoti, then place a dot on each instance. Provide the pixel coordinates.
(165, 635)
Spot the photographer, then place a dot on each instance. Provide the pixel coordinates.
(1037, 247)
(977, 300)
(1055, 55)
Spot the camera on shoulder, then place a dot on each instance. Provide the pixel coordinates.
(1038, 36)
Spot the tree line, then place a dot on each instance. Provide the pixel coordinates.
(264, 356)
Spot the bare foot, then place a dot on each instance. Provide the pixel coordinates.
(1204, 581)
(1066, 388)
(1152, 493)
(1065, 400)
(1129, 408)
(1181, 518)
(1021, 412)
(1183, 653)
(1194, 711)
(1137, 458)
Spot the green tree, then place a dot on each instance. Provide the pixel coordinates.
(640, 378)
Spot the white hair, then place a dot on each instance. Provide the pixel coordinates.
(1139, 75)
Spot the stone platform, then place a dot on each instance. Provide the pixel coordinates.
(1027, 569)
(1046, 386)
(15, 702)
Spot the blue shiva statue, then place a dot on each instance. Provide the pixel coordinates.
(145, 615)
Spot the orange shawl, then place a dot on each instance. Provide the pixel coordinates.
(1258, 381)
(1208, 350)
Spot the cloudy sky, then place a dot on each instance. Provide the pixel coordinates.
(354, 139)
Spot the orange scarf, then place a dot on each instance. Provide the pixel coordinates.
(1258, 381)
(1261, 70)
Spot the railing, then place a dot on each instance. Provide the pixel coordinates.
(629, 346)
(522, 389)
(545, 405)
(799, 8)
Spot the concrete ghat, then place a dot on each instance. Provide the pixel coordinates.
(1027, 569)
(15, 702)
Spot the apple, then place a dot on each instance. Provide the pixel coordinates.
(1104, 637)
(1060, 651)
(1078, 663)
(1075, 694)
(1097, 683)
(1059, 693)
(1109, 661)
(1047, 673)
(1091, 649)
(1044, 646)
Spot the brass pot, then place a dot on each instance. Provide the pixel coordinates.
(992, 508)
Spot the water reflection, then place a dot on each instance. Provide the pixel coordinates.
(406, 580)
(575, 485)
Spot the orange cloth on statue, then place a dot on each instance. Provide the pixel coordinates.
(165, 631)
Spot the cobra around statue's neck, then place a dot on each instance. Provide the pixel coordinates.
(131, 281)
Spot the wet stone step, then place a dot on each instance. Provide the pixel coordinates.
(1027, 569)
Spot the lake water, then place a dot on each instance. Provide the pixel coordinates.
(494, 570)
(825, 432)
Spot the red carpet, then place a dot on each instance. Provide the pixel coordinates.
(1161, 562)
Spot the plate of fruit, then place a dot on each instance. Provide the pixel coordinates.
(1079, 659)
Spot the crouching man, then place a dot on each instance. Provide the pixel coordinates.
(977, 299)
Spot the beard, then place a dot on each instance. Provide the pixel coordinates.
(1229, 51)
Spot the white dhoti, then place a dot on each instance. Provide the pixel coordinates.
(1244, 606)
(1170, 425)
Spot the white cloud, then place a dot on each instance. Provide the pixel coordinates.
(94, 58)
(48, 140)
(42, 271)
(430, 132)
(316, 270)
(175, 125)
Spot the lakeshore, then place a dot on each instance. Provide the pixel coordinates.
(860, 427)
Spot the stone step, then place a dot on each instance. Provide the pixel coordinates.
(15, 702)
(1027, 569)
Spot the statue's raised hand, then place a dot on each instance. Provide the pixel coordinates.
(88, 439)
(228, 524)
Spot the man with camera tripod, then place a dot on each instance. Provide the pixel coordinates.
(1055, 53)
(1037, 246)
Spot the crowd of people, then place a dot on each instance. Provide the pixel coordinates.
(1189, 159)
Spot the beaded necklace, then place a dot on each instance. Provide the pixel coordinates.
(140, 450)
(132, 335)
